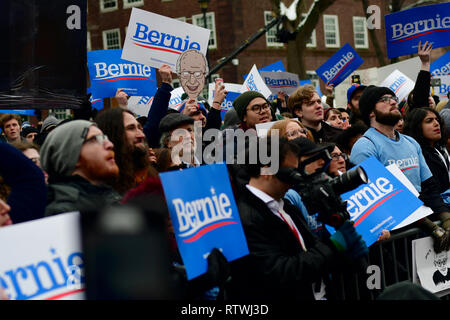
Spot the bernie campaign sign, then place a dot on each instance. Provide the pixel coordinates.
(23, 112)
(280, 81)
(204, 215)
(96, 103)
(108, 72)
(399, 83)
(382, 203)
(404, 29)
(233, 89)
(340, 65)
(43, 259)
(441, 67)
(155, 40)
(274, 67)
(254, 82)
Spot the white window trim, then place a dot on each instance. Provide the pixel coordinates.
(338, 41)
(103, 10)
(127, 5)
(105, 46)
(183, 19)
(270, 44)
(313, 36)
(213, 21)
(315, 81)
(366, 38)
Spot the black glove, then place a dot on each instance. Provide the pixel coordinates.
(441, 237)
(218, 268)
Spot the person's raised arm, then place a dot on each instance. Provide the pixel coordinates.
(421, 90)
(214, 119)
(159, 107)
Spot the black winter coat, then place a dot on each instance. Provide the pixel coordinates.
(277, 268)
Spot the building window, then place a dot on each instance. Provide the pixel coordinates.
(331, 31)
(132, 3)
(312, 75)
(61, 114)
(210, 24)
(108, 5)
(111, 39)
(360, 33)
(88, 41)
(271, 34)
(312, 41)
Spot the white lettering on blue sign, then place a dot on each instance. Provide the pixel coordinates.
(194, 215)
(337, 68)
(112, 71)
(442, 71)
(368, 196)
(163, 40)
(408, 30)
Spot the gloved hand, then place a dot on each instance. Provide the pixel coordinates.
(445, 219)
(347, 239)
(218, 268)
(441, 237)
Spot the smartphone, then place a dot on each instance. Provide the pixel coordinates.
(435, 82)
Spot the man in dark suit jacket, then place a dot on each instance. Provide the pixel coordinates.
(286, 260)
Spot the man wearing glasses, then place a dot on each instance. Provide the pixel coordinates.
(379, 110)
(79, 160)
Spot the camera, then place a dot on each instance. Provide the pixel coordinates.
(321, 193)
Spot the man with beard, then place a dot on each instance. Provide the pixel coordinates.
(379, 110)
(132, 153)
(79, 160)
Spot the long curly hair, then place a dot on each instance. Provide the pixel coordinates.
(110, 121)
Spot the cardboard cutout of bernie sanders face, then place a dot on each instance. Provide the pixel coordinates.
(192, 69)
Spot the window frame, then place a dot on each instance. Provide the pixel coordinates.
(213, 22)
(274, 44)
(104, 10)
(127, 5)
(105, 40)
(366, 36)
(338, 40)
(313, 35)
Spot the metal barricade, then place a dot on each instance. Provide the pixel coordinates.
(391, 260)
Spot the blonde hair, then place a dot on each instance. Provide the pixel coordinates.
(441, 105)
(282, 124)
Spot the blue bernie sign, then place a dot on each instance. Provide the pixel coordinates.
(108, 72)
(96, 103)
(274, 67)
(382, 203)
(340, 65)
(204, 215)
(441, 66)
(23, 112)
(404, 29)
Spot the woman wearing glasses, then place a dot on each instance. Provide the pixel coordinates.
(291, 129)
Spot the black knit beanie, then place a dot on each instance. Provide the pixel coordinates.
(241, 102)
(369, 99)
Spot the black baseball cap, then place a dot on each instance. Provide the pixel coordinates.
(308, 147)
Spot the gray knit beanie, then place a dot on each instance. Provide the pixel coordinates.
(241, 102)
(369, 99)
(61, 149)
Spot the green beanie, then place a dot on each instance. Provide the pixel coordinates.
(61, 149)
(241, 102)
